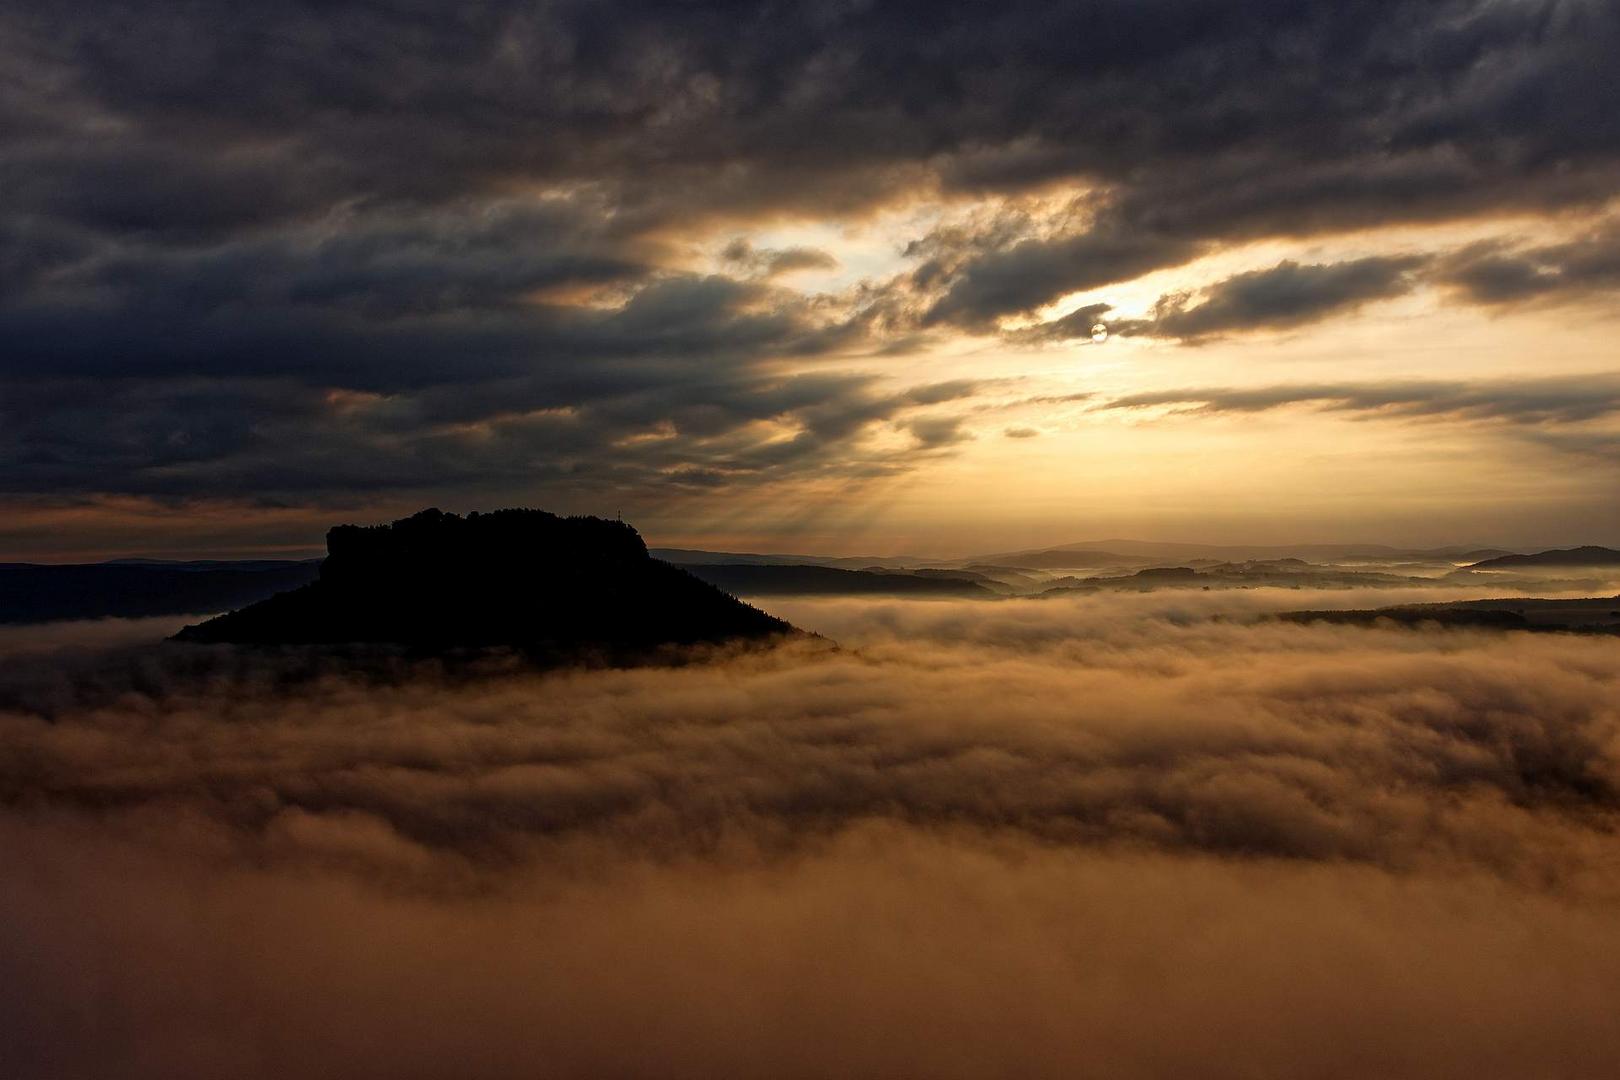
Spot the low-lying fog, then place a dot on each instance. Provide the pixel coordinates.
(1123, 835)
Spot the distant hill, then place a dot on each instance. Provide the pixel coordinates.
(130, 589)
(698, 557)
(520, 578)
(1255, 573)
(1066, 558)
(1578, 556)
(1103, 554)
(751, 579)
(1592, 615)
(695, 557)
(1138, 552)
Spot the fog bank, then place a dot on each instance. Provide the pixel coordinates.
(1115, 836)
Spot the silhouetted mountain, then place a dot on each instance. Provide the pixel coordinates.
(1023, 570)
(1255, 573)
(1470, 556)
(762, 580)
(1594, 615)
(1007, 575)
(985, 581)
(1138, 552)
(134, 589)
(520, 578)
(212, 564)
(1156, 577)
(1589, 555)
(1168, 574)
(1065, 559)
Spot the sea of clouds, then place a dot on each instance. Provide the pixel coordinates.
(1150, 835)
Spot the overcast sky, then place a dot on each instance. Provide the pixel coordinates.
(813, 276)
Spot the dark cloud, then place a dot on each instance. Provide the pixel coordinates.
(1602, 447)
(975, 841)
(1291, 295)
(1286, 295)
(410, 352)
(933, 432)
(770, 262)
(1076, 324)
(790, 259)
(469, 211)
(456, 298)
(1495, 275)
(1035, 272)
(1557, 400)
(221, 438)
(208, 121)
(409, 103)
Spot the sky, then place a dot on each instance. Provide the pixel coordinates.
(817, 276)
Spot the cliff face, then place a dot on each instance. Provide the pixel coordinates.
(521, 578)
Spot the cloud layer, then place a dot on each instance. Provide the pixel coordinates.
(1123, 835)
(363, 251)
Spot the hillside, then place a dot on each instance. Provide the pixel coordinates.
(1590, 555)
(31, 593)
(1121, 552)
(519, 578)
(1590, 615)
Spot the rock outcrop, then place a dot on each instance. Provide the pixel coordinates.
(523, 579)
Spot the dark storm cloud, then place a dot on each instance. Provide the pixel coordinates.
(1495, 275)
(465, 209)
(206, 117)
(1034, 272)
(281, 441)
(1076, 324)
(1286, 295)
(401, 350)
(974, 841)
(1291, 295)
(413, 102)
(377, 304)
